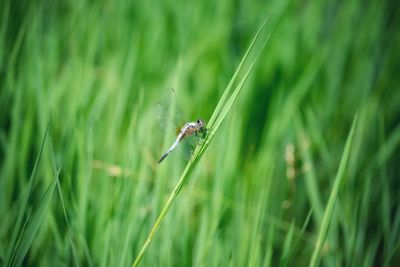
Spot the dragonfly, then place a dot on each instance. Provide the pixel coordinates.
(189, 128)
(197, 128)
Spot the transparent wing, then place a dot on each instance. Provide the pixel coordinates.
(168, 112)
(170, 118)
(188, 145)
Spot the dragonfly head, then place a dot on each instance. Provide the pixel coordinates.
(201, 123)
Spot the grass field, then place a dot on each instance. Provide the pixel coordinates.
(301, 166)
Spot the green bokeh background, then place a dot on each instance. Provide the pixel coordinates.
(258, 195)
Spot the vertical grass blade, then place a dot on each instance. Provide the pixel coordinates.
(326, 221)
(18, 228)
(35, 221)
(60, 193)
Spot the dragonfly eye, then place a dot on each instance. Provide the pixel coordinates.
(200, 123)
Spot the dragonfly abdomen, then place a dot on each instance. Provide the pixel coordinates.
(174, 145)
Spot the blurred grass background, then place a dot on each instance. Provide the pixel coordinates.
(259, 194)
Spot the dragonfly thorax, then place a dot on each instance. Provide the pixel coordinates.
(192, 127)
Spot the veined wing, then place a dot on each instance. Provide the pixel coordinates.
(168, 113)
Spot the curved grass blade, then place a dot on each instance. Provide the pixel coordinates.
(224, 105)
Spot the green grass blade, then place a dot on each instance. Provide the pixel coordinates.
(33, 224)
(217, 117)
(326, 221)
(310, 176)
(389, 148)
(228, 89)
(225, 109)
(299, 236)
(18, 228)
(287, 245)
(60, 193)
